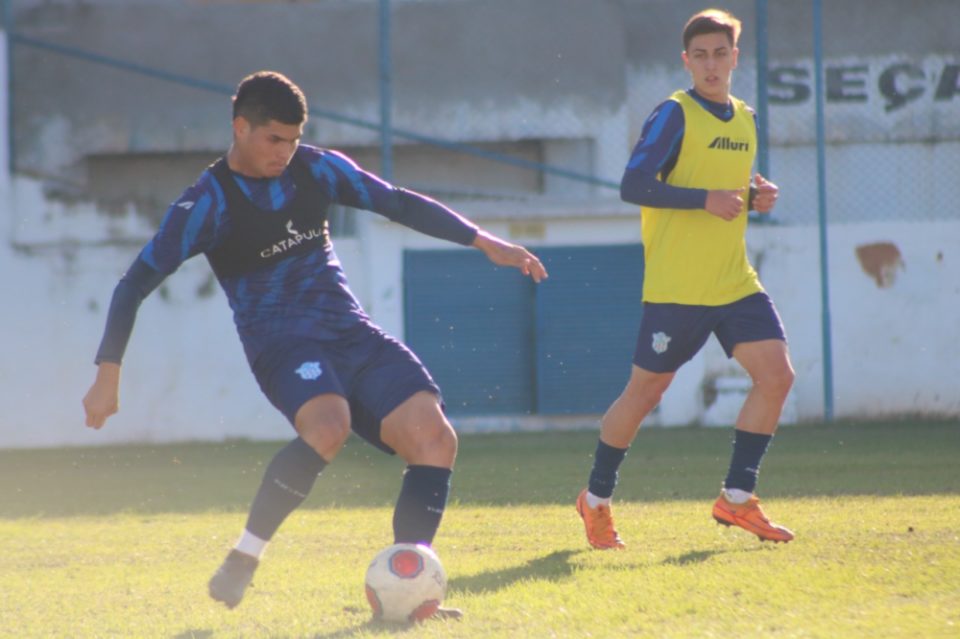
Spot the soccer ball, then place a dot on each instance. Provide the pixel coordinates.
(405, 582)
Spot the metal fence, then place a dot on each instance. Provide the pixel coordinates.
(889, 135)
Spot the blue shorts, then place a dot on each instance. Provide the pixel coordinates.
(671, 334)
(372, 371)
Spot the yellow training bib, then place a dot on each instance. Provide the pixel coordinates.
(691, 256)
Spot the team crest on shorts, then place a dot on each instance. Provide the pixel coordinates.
(309, 370)
(660, 342)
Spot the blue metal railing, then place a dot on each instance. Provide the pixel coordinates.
(825, 323)
(763, 147)
(9, 27)
(386, 94)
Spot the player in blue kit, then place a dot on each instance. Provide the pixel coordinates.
(259, 216)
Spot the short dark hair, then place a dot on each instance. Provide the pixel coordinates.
(268, 95)
(711, 21)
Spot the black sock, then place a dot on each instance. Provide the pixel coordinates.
(286, 483)
(748, 451)
(603, 477)
(420, 505)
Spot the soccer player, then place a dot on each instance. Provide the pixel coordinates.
(691, 174)
(259, 216)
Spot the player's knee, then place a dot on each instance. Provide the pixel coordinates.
(778, 381)
(645, 389)
(785, 379)
(324, 425)
(447, 441)
(433, 442)
(438, 439)
(325, 437)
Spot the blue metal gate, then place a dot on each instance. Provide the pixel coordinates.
(498, 344)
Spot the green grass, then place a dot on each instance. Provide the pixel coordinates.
(120, 541)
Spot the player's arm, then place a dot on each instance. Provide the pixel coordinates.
(654, 157)
(103, 398)
(187, 229)
(350, 185)
(358, 188)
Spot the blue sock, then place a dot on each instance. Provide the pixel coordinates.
(603, 477)
(420, 505)
(748, 451)
(286, 483)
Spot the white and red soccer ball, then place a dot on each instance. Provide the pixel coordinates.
(405, 583)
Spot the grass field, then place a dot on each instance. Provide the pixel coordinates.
(120, 541)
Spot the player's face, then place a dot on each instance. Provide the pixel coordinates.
(711, 59)
(264, 151)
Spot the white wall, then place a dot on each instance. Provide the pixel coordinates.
(185, 376)
(894, 349)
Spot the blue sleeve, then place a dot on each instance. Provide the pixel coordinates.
(350, 185)
(653, 158)
(189, 226)
(135, 285)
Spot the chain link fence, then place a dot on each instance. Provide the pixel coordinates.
(488, 100)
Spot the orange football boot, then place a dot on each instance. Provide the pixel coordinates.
(599, 524)
(750, 517)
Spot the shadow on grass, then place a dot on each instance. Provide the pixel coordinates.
(369, 627)
(701, 556)
(552, 567)
(194, 634)
(379, 627)
(692, 557)
(664, 464)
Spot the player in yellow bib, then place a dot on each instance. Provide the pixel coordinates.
(691, 174)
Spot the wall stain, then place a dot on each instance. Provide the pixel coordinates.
(881, 261)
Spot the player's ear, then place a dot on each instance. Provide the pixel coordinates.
(241, 127)
(736, 56)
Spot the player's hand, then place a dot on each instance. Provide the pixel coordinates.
(103, 398)
(726, 205)
(503, 253)
(766, 195)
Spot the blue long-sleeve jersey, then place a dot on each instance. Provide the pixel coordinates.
(305, 294)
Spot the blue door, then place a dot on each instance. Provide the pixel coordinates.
(471, 323)
(588, 315)
(498, 344)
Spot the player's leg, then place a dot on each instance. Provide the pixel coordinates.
(422, 436)
(754, 336)
(643, 392)
(669, 336)
(395, 405)
(298, 380)
(768, 364)
(617, 429)
(430, 450)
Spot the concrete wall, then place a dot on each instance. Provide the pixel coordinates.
(896, 314)
(463, 71)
